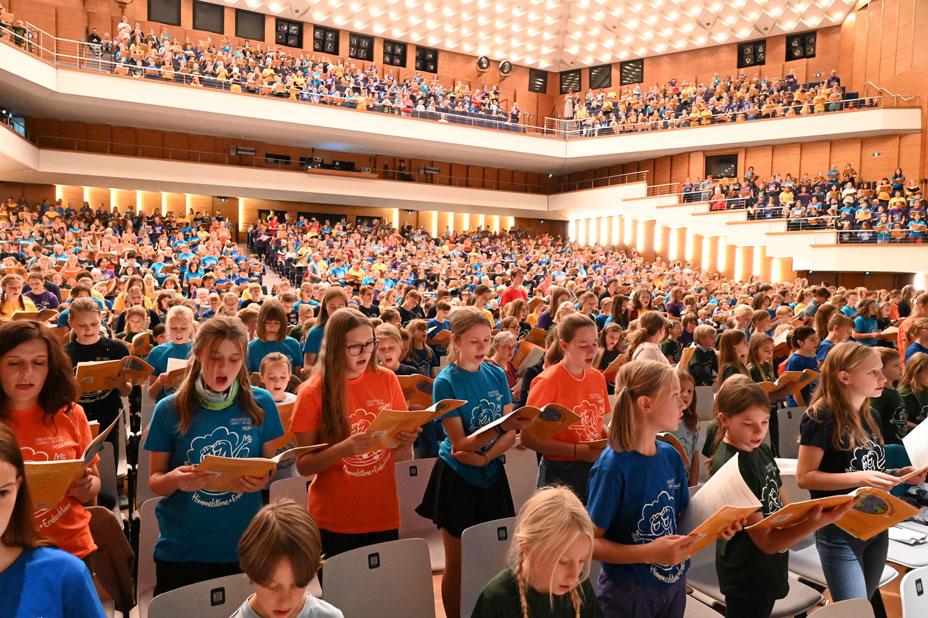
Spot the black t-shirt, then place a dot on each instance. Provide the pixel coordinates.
(870, 455)
(916, 405)
(372, 312)
(892, 414)
(500, 599)
(407, 315)
(740, 564)
(102, 406)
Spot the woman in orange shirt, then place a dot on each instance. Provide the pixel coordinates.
(37, 395)
(574, 384)
(353, 497)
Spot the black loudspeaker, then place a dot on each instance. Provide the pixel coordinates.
(505, 68)
(483, 64)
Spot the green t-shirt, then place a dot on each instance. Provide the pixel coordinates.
(500, 599)
(891, 411)
(740, 564)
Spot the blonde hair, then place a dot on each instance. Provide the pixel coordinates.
(637, 378)
(854, 426)
(388, 331)
(501, 338)
(180, 311)
(548, 523)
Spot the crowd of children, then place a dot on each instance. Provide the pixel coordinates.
(626, 346)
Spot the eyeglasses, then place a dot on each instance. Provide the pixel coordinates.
(357, 349)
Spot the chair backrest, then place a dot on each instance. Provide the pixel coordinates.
(143, 492)
(296, 488)
(387, 580)
(107, 467)
(148, 407)
(148, 536)
(213, 598)
(851, 608)
(484, 548)
(914, 593)
(522, 472)
(788, 420)
(412, 476)
(705, 397)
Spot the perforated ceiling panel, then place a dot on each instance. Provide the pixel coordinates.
(561, 34)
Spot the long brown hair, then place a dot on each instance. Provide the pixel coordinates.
(917, 363)
(649, 324)
(822, 316)
(20, 531)
(272, 309)
(766, 370)
(553, 302)
(690, 417)
(330, 294)
(210, 334)
(638, 378)
(331, 369)
(60, 390)
(852, 427)
(728, 357)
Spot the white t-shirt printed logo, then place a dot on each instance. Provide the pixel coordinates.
(657, 520)
(484, 413)
(590, 426)
(372, 462)
(222, 442)
(770, 496)
(868, 456)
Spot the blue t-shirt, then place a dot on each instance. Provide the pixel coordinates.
(159, 355)
(866, 325)
(824, 347)
(848, 310)
(915, 348)
(637, 499)
(289, 347)
(487, 393)
(205, 526)
(313, 342)
(797, 362)
(48, 582)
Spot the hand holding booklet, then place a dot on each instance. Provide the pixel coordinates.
(228, 470)
(176, 370)
(525, 413)
(391, 422)
(98, 375)
(723, 501)
(552, 419)
(49, 480)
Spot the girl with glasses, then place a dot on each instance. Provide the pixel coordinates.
(336, 405)
(272, 337)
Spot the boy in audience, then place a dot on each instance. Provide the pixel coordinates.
(840, 328)
(704, 365)
(281, 552)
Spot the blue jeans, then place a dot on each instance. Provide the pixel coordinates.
(852, 567)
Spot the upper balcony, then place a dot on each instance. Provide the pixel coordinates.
(60, 78)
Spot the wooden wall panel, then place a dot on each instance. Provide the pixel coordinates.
(786, 159)
(679, 167)
(124, 141)
(879, 157)
(815, 156)
(99, 137)
(846, 151)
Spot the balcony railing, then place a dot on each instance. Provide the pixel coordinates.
(84, 56)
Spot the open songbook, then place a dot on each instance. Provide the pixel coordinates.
(916, 447)
(93, 376)
(285, 411)
(49, 480)
(724, 500)
(39, 316)
(391, 422)
(873, 512)
(536, 336)
(790, 382)
(553, 419)
(527, 355)
(176, 370)
(613, 369)
(417, 390)
(227, 470)
(438, 335)
(686, 356)
(525, 413)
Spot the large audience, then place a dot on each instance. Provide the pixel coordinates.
(889, 210)
(368, 306)
(682, 104)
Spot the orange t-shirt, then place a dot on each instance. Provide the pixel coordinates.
(356, 494)
(63, 436)
(586, 396)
